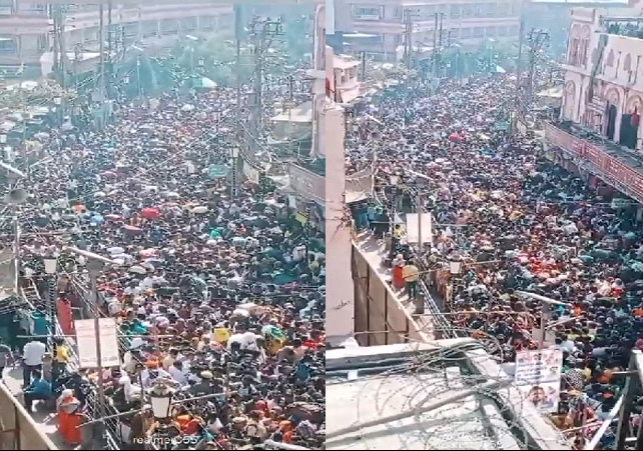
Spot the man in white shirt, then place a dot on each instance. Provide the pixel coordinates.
(32, 355)
(178, 372)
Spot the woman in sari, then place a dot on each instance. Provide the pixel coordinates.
(398, 272)
(69, 419)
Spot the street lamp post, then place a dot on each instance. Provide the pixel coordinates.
(546, 303)
(455, 269)
(58, 101)
(161, 396)
(51, 264)
(95, 264)
(394, 180)
(234, 161)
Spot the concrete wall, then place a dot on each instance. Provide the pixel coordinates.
(380, 317)
(17, 429)
(340, 302)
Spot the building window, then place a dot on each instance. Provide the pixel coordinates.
(456, 11)
(43, 45)
(478, 32)
(502, 31)
(170, 26)
(206, 23)
(189, 24)
(368, 12)
(465, 33)
(130, 31)
(491, 32)
(150, 29)
(8, 46)
(467, 10)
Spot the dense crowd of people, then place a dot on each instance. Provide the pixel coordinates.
(517, 222)
(218, 292)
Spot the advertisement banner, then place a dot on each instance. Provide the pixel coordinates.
(538, 376)
(608, 165)
(86, 339)
(307, 184)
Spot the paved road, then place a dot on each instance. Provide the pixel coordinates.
(46, 420)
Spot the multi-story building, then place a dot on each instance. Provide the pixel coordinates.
(26, 30)
(599, 136)
(378, 27)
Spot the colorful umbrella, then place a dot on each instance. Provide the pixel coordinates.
(150, 213)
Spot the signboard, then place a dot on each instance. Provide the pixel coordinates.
(218, 171)
(307, 184)
(413, 227)
(86, 341)
(538, 376)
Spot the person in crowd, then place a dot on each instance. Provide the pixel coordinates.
(69, 418)
(38, 390)
(32, 355)
(517, 222)
(210, 280)
(6, 357)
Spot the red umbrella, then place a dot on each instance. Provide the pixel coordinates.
(455, 137)
(150, 213)
(112, 217)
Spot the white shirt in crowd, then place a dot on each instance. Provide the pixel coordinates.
(181, 376)
(33, 352)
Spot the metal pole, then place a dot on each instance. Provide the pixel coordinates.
(543, 315)
(237, 62)
(139, 87)
(94, 267)
(521, 43)
(16, 252)
(435, 46)
(408, 39)
(101, 51)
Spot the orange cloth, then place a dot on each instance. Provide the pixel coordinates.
(398, 277)
(68, 425)
(65, 316)
(183, 421)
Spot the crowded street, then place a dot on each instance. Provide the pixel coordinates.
(217, 288)
(517, 223)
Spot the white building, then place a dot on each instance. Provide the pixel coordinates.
(600, 137)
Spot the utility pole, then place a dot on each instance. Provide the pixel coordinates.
(363, 66)
(409, 15)
(238, 33)
(434, 62)
(262, 33)
(521, 43)
(110, 36)
(101, 51)
(537, 39)
(438, 60)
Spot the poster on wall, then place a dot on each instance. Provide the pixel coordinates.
(538, 376)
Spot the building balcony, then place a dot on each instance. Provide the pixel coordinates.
(616, 165)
